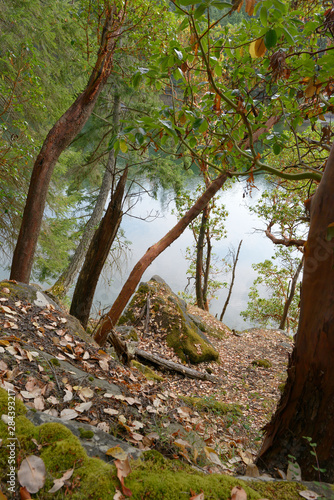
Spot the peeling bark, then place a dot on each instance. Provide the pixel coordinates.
(57, 140)
(307, 404)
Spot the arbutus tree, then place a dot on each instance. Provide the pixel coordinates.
(276, 65)
(59, 137)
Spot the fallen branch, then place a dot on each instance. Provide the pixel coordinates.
(175, 367)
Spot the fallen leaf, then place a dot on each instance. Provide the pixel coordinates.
(68, 396)
(39, 403)
(308, 494)
(68, 414)
(58, 483)
(117, 452)
(212, 455)
(86, 392)
(24, 494)
(110, 411)
(238, 493)
(118, 495)
(200, 496)
(293, 473)
(32, 473)
(83, 406)
(103, 426)
(123, 470)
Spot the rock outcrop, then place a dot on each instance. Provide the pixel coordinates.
(154, 305)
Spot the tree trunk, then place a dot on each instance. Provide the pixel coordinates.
(235, 261)
(130, 285)
(199, 260)
(59, 137)
(291, 294)
(67, 278)
(207, 270)
(97, 254)
(306, 408)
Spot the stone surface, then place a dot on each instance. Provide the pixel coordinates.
(169, 314)
(97, 446)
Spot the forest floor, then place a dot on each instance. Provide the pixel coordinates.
(215, 426)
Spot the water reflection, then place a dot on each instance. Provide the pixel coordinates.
(171, 265)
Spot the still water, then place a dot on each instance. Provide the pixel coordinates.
(172, 266)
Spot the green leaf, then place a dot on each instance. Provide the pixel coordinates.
(270, 39)
(203, 127)
(289, 38)
(199, 11)
(183, 25)
(264, 16)
(221, 5)
(187, 2)
(277, 149)
(123, 146)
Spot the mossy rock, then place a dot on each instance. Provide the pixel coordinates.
(262, 363)
(170, 314)
(146, 371)
(209, 404)
(155, 477)
(278, 490)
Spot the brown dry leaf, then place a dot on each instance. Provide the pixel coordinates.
(181, 443)
(123, 470)
(32, 473)
(250, 4)
(104, 364)
(117, 452)
(238, 493)
(24, 494)
(103, 426)
(212, 455)
(200, 496)
(84, 406)
(39, 403)
(293, 473)
(86, 393)
(5, 290)
(246, 457)
(59, 483)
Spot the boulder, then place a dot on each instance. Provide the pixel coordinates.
(168, 315)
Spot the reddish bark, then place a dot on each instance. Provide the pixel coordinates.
(97, 254)
(129, 287)
(59, 137)
(307, 405)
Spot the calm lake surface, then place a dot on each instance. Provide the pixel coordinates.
(172, 266)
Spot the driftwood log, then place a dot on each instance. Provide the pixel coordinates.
(174, 367)
(125, 357)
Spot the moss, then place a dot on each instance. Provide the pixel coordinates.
(281, 388)
(278, 490)
(20, 409)
(51, 432)
(154, 477)
(187, 344)
(85, 434)
(146, 371)
(64, 455)
(96, 481)
(263, 363)
(55, 361)
(210, 404)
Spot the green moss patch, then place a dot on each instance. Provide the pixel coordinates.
(160, 479)
(209, 404)
(262, 363)
(278, 490)
(146, 371)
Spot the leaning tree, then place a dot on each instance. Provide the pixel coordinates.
(271, 73)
